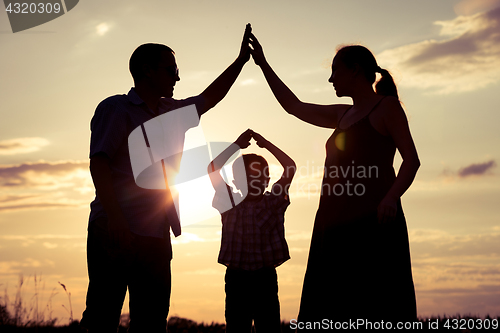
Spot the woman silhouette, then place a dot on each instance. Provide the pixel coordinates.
(359, 261)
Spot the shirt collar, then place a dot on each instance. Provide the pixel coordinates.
(134, 98)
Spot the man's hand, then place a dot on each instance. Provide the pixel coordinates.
(257, 51)
(260, 140)
(245, 44)
(243, 140)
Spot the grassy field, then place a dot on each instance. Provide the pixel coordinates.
(181, 325)
(18, 315)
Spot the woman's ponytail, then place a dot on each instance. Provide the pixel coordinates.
(386, 86)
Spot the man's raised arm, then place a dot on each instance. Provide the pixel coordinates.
(218, 89)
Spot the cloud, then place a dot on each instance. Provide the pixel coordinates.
(102, 29)
(187, 237)
(22, 145)
(248, 82)
(456, 271)
(47, 241)
(40, 237)
(16, 198)
(205, 272)
(297, 235)
(45, 185)
(299, 249)
(477, 169)
(426, 243)
(43, 174)
(15, 267)
(467, 59)
(41, 205)
(469, 7)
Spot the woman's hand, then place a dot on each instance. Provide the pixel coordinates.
(256, 51)
(243, 140)
(387, 210)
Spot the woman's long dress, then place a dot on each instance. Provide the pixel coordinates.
(358, 268)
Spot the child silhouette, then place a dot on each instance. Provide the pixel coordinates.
(253, 237)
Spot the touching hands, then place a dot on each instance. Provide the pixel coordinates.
(260, 140)
(256, 51)
(245, 44)
(243, 140)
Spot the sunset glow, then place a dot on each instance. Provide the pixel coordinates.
(445, 58)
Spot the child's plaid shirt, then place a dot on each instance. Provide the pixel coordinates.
(253, 232)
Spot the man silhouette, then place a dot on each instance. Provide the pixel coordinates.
(128, 243)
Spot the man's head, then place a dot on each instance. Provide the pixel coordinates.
(257, 174)
(154, 65)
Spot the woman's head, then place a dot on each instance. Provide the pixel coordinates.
(358, 59)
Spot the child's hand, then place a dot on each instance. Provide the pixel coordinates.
(243, 140)
(261, 142)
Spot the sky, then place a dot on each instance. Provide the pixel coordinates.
(445, 58)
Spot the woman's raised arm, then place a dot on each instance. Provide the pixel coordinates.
(319, 115)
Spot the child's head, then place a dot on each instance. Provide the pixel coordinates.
(257, 174)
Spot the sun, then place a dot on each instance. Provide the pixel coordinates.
(195, 199)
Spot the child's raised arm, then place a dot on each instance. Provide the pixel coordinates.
(242, 142)
(285, 161)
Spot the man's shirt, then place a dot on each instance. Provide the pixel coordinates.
(114, 119)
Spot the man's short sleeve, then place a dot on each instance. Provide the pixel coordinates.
(172, 104)
(108, 128)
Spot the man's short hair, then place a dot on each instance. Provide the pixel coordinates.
(146, 54)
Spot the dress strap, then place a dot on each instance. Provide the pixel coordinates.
(375, 106)
(343, 114)
(364, 117)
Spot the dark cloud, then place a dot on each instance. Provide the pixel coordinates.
(476, 169)
(13, 198)
(435, 51)
(482, 299)
(468, 7)
(466, 58)
(10, 145)
(479, 289)
(446, 246)
(28, 174)
(483, 28)
(43, 205)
